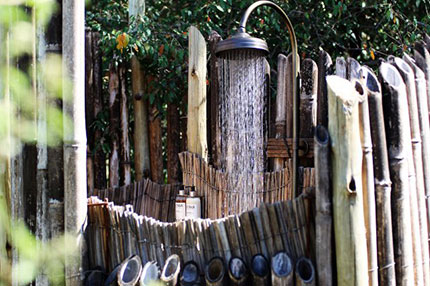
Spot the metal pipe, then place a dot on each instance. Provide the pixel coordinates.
(290, 28)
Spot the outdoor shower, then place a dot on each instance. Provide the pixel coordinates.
(242, 97)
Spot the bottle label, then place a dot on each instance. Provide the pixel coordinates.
(193, 211)
(180, 211)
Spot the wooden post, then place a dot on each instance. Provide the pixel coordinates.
(75, 181)
(423, 120)
(324, 69)
(397, 133)
(350, 233)
(281, 100)
(196, 126)
(140, 105)
(308, 104)
(418, 208)
(382, 179)
(155, 144)
(323, 205)
(212, 104)
(173, 146)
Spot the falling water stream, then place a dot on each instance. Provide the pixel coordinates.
(242, 112)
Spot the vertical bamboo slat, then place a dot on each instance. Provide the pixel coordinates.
(382, 179)
(323, 205)
(350, 235)
(397, 132)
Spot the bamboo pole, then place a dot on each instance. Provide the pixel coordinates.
(196, 120)
(397, 132)
(215, 272)
(323, 205)
(260, 270)
(382, 179)
(238, 272)
(140, 104)
(281, 101)
(324, 69)
(305, 272)
(422, 57)
(282, 270)
(367, 180)
(114, 126)
(341, 68)
(350, 236)
(75, 185)
(124, 146)
(416, 177)
(425, 138)
(171, 269)
(129, 271)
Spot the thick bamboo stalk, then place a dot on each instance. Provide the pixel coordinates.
(196, 126)
(324, 69)
(238, 272)
(425, 138)
(215, 272)
(367, 181)
(282, 270)
(397, 133)
(416, 177)
(114, 126)
(382, 179)
(129, 271)
(281, 101)
(323, 206)
(140, 105)
(305, 272)
(171, 270)
(260, 270)
(124, 146)
(350, 234)
(75, 185)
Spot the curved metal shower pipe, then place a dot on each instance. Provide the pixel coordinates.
(242, 29)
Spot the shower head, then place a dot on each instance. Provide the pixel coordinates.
(242, 40)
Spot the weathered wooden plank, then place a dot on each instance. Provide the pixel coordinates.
(324, 69)
(196, 120)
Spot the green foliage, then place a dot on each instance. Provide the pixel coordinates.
(361, 29)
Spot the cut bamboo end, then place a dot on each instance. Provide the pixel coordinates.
(150, 274)
(191, 274)
(215, 272)
(238, 271)
(130, 271)
(305, 272)
(282, 269)
(260, 270)
(171, 270)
